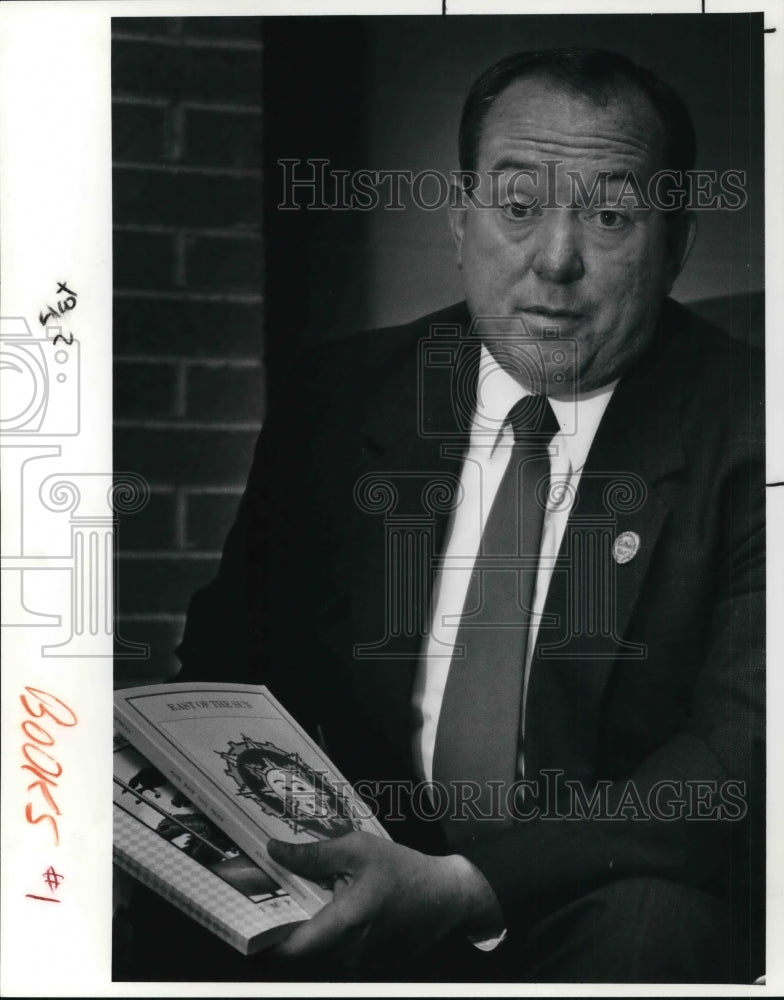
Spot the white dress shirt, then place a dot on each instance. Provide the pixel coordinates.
(483, 468)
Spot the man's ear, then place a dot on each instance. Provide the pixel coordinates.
(457, 219)
(680, 240)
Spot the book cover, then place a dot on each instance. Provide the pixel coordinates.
(244, 762)
(164, 842)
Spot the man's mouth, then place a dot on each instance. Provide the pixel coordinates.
(553, 312)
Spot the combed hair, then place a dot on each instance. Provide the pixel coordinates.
(593, 73)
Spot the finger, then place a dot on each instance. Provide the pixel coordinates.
(313, 860)
(332, 929)
(324, 858)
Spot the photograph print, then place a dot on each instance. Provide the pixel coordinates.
(438, 343)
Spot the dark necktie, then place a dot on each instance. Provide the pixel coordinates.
(477, 740)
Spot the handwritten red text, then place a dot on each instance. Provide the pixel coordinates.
(42, 764)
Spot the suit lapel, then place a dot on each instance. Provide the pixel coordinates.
(601, 569)
(413, 443)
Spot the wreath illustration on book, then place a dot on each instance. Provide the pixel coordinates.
(284, 786)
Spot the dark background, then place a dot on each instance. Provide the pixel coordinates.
(210, 277)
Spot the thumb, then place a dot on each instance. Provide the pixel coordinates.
(314, 860)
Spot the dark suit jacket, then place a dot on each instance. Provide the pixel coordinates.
(656, 674)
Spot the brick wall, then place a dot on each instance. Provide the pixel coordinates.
(188, 386)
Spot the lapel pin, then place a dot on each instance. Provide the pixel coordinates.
(626, 547)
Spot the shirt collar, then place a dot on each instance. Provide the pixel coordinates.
(497, 392)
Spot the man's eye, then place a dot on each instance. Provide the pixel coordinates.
(608, 219)
(518, 210)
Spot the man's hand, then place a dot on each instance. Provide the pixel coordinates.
(384, 895)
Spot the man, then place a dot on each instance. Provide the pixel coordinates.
(623, 841)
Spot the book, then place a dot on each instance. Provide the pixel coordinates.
(241, 761)
(164, 842)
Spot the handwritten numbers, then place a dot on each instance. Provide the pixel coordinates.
(64, 305)
(53, 880)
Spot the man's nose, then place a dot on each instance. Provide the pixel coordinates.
(557, 252)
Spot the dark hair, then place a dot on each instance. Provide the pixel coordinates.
(592, 73)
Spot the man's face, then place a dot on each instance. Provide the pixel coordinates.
(597, 274)
(292, 787)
